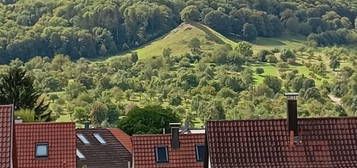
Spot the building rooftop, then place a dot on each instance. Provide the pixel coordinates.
(6, 133)
(100, 148)
(321, 142)
(156, 151)
(122, 137)
(46, 145)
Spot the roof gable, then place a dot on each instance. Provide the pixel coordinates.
(111, 154)
(329, 142)
(185, 156)
(122, 137)
(6, 133)
(60, 138)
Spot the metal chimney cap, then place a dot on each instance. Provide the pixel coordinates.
(175, 124)
(291, 96)
(18, 120)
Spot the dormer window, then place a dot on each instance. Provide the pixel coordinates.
(200, 152)
(83, 139)
(99, 138)
(41, 150)
(161, 154)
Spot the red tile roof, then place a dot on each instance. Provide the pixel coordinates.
(5, 135)
(184, 157)
(110, 155)
(325, 142)
(122, 137)
(61, 139)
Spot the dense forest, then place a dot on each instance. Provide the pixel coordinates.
(58, 44)
(96, 28)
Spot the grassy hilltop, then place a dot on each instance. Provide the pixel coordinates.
(177, 40)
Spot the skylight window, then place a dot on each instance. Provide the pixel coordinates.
(82, 138)
(161, 155)
(41, 150)
(80, 155)
(99, 138)
(200, 152)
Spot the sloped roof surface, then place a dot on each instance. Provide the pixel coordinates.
(61, 145)
(5, 135)
(113, 154)
(184, 157)
(122, 137)
(325, 143)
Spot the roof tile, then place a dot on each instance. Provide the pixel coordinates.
(325, 142)
(5, 135)
(184, 157)
(110, 155)
(122, 137)
(61, 145)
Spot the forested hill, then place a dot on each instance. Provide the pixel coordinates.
(97, 28)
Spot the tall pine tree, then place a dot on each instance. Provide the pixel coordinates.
(16, 88)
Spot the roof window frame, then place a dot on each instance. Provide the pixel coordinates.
(198, 158)
(79, 154)
(47, 150)
(157, 155)
(99, 138)
(83, 139)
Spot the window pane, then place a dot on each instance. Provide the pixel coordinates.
(82, 138)
(200, 152)
(99, 138)
(161, 155)
(80, 155)
(41, 150)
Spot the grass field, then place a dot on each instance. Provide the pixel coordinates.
(286, 41)
(178, 39)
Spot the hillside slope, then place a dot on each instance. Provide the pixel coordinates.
(178, 38)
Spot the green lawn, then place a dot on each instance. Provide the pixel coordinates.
(285, 41)
(178, 39)
(269, 69)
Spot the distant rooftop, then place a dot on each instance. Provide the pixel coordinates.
(156, 151)
(6, 133)
(46, 145)
(106, 148)
(322, 142)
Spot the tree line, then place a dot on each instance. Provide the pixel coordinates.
(97, 28)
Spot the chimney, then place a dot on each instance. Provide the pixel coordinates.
(86, 124)
(292, 117)
(175, 133)
(18, 120)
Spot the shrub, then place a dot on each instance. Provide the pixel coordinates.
(287, 54)
(272, 59)
(275, 50)
(259, 71)
(282, 65)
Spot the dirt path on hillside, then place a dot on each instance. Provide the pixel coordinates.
(335, 99)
